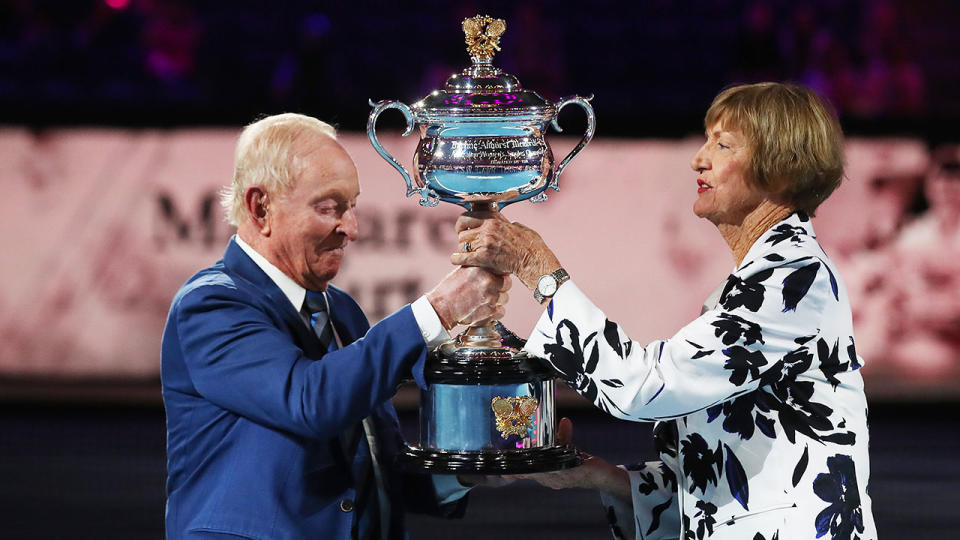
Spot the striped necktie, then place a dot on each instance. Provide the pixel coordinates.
(315, 305)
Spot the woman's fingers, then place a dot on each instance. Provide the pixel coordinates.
(502, 247)
(466, 222)
(493, 259)
(565, 432)
(474, 219)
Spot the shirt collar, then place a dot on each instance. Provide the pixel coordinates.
(290, 288)
(790, 231)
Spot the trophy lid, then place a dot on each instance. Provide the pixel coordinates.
(482, 89)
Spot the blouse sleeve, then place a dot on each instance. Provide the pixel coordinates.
(654, 514)
(761, 331)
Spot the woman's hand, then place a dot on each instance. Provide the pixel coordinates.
(503, 247)
(595, 473)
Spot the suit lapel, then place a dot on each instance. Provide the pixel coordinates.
(240, 264)
(339, 319)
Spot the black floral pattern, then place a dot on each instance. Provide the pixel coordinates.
(611, 332)
(701, 352)
(648, 483)
(666, 439)
(801, 466)
(852, 355)
(786, 232)
(573, 366)
(829, 358)
(792, 364)
(736, 479)
(706, 522)
(701, 464)
(656, 513)
(747, 293)
(797, 283)
(755, 399)
(566, 355)
(797, 412)
(732, 328)
(743, 362)
(782, 398)
(843, 517)
(668, 477)
(743, 416)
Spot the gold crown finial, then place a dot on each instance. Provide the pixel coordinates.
(483, 35)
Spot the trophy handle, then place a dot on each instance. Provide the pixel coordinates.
(584, 103)
(427, 196)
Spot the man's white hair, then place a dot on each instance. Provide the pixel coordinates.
(263, 157)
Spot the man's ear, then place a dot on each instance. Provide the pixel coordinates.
(257, 203)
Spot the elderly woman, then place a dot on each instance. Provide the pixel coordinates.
(760, 410)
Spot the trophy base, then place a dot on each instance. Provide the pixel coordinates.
(522, 461)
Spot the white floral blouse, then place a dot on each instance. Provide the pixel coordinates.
(760, 411)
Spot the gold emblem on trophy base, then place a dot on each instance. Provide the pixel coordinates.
(514, 414)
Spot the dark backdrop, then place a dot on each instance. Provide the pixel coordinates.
(654, 66)
(97, 472)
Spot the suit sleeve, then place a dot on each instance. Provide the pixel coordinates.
(421, 497)
(762, 330)
(239, 359)
(414, 491)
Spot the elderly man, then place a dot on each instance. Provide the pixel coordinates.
(276, 388)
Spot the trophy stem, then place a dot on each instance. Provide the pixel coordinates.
(484, 207)
(481, 334)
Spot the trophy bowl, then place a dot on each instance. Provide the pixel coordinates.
(489, 407)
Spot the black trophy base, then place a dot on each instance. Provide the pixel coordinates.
(522, 461)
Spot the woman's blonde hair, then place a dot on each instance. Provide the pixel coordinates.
(264, 157)
(796, 138)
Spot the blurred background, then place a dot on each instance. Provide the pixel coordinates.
(117, 125)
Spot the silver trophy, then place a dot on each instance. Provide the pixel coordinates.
(489, 408)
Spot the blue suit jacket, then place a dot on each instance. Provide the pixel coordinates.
(255, 409)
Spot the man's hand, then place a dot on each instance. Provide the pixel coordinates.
(469, 295)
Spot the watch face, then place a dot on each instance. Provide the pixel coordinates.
(547, 285)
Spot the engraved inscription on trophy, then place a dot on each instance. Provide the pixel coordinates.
(514, 414)
(448, 152)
